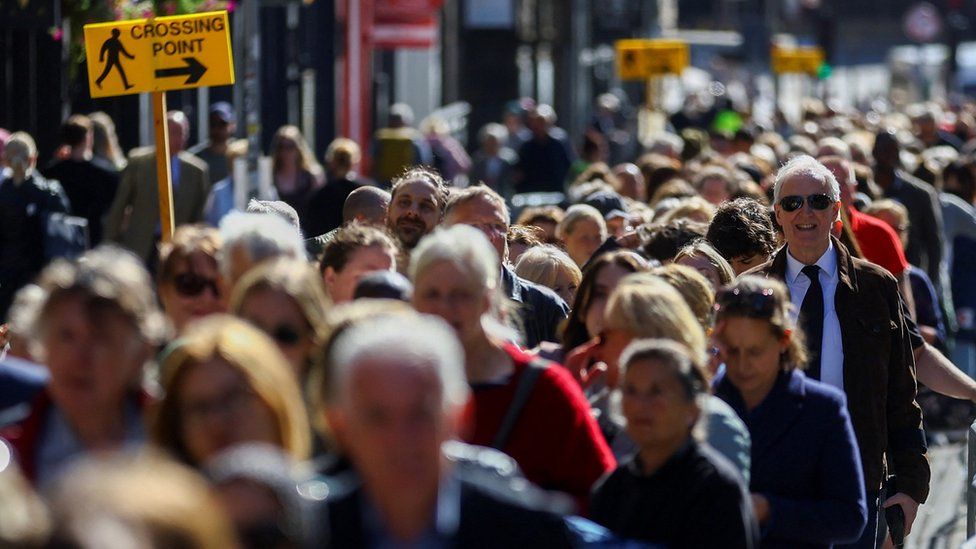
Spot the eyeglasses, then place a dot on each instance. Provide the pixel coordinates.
(286, 335)
(760, 304)
(192, 284)
(793, 203)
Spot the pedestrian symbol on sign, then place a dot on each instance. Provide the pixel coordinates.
(112, 48)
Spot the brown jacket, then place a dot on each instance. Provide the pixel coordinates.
(879, 372)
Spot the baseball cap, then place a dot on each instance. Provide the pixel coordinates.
(223, 110)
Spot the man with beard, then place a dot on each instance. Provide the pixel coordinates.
(416, 207)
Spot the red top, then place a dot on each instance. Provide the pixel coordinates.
(879, 242)
(556, 440)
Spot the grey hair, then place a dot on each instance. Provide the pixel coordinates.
(260, 235)
(27, 303)
(464, 246)
(806, 165)
(415, 341)
(468, 249)
(279, 208)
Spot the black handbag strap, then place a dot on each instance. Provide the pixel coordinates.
(522, 393)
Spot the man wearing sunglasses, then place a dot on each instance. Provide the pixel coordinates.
(852, 317)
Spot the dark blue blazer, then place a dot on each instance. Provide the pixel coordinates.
(805, 461)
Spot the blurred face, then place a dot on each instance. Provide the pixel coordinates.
(195, 291)
(487, 218)
(444, 290)
(655, 405)
(548, 229)
(583, 240)
(618, 226)
(715, 191)
(287, 150)
(631, 182)
(392, 423)
(413, 212)
(220, 131)
(94, 354)
(219, 409)
(895, 223)
(342, 284)
(565, 286)
(806, 229)
(177, 136)
(278, 315)
(751, 354)
(701, 264)
(606, 281)
(848, 185)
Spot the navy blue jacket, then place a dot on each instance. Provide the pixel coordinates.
(540, 310)
(805, 461)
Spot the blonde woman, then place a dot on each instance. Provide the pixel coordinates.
(705, 259)
(227, 383)
(551, 267)
(294, 169)
(645, 306)
(582, 231)
(286, 299)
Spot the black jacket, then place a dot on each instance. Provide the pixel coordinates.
(695, 500)
(540, 309)
(486, 519)
(879, 371)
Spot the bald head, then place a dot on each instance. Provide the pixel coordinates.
(366, 205)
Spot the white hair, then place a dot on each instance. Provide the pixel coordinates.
(415, 341)
(464, 246)
(260, 235)
(803, 165)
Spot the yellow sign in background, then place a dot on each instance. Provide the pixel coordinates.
(640, 59)
(804, 59)
(163, 53)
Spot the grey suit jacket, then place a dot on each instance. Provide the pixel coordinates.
(133, 219)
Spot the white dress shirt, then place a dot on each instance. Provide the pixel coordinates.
(832, 350)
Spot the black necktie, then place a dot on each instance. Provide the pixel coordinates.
(811, 318)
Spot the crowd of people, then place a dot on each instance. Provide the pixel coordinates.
(716, 341)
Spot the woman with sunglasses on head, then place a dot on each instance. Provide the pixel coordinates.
(188, 279)
(226, 383)
(807, 486)
(285, 298)
(673, 490)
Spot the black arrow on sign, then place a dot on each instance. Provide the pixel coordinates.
(193, 71)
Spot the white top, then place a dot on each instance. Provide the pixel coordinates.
(832, 350)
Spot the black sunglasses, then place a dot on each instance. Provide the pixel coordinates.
(192, 284)
(793, 203)
(285, 335)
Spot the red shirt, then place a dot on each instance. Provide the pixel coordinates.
(556, 440)
(879, 242)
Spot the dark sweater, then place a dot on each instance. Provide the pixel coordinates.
(695, 500)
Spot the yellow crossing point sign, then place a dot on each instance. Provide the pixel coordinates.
(159, 54)
(640, 59)
(804, 59)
